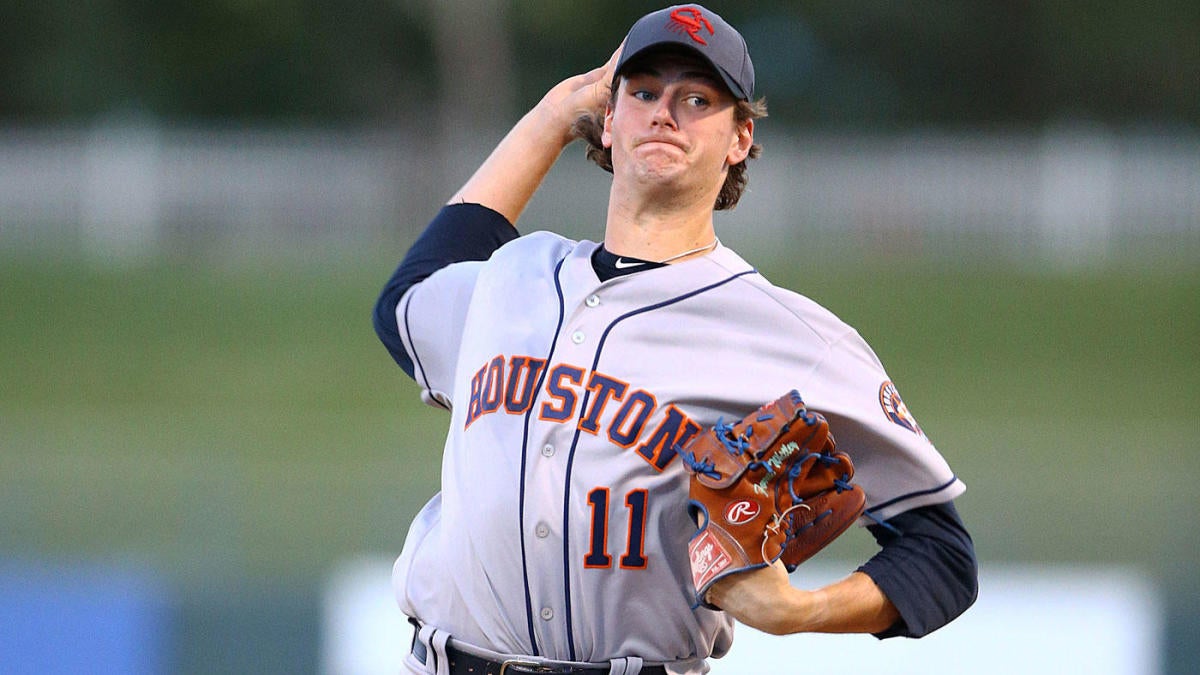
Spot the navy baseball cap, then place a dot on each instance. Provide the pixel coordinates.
(700, 30)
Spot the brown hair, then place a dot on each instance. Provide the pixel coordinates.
(589, 127)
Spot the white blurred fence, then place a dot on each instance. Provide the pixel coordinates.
(1028, 619)
(1069, 195)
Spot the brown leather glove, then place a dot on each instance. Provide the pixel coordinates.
(770, 486)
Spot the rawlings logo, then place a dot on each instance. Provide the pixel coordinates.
(742, 511)
(690, 21)
(708, 558)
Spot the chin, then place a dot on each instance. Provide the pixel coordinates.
(660, 168)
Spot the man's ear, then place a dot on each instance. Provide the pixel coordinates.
(739, 150)
(606, 135)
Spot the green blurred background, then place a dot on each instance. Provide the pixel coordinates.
(198, 393)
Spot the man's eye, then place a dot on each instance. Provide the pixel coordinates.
(643, 95)
(697, 101)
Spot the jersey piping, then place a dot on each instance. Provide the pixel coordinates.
(524, 460)
(913, 495)
(415, 357)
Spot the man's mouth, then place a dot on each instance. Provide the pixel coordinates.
(660, 140)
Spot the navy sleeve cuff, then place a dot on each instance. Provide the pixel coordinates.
(457, 233)
(926, 567)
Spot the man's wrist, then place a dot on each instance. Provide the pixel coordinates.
(792, 611)
(550, 124)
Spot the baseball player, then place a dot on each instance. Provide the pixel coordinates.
(573, 371)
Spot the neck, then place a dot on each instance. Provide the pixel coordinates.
(653, 230)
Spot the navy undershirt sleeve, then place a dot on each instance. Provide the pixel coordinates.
(457, 233)
(927, 568)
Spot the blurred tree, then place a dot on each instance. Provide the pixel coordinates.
(821, 62)
(922, 62)
(1120, 61)
(212, 60)
(474, 63)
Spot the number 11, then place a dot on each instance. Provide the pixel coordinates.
(635, 557)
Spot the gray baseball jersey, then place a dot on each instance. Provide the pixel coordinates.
(561, 529)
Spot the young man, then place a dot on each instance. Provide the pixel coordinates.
(559, 537)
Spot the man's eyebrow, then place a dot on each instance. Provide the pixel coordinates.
(700, 74)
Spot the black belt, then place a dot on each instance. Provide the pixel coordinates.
(462, 663)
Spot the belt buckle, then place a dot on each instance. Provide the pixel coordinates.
(529, 666)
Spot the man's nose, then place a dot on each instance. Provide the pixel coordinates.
(664, 113)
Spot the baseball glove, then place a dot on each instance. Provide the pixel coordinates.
(771, 486)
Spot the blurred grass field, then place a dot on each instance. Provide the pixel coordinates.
(225, 421)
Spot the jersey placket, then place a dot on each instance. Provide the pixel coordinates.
(549, 500)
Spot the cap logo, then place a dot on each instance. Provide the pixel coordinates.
(690, 21)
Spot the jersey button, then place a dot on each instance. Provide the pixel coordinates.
(577, 337)
(547, 613)
(542, 530)
(547, 450)
(592, 300)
